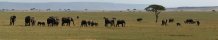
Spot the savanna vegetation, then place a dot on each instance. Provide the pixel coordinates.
(147, 29)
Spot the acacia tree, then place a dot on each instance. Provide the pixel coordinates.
(68, 9)
(128, 10)
(156, 9)
(86, 10)
(12, 9)
(60, 9)
(48, 9)
(134, 10)
(32, 9)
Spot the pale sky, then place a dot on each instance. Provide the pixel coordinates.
(166, 3)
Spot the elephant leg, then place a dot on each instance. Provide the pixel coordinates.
(122, 25)
(52, 24)
(37, 24)
(11, 23)
(43, 24)
(81, 25)
(48, 24)
(28, 24)
(86, 25)
(105, 24)
(116, 25)
(69, 24)
(25, 23)
(57, 24)
(62, 24)
(119, 25)
(111, 24)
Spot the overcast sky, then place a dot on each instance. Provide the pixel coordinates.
(167, 3)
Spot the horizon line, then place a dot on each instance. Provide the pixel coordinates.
(104, 2)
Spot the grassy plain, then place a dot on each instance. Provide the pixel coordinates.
(145, 30)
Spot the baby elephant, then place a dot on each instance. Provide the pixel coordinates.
(171, 20)
(178, 24)
(139, 19)
(84, 23)
(41, 23)
(120, 22)
(93, 23)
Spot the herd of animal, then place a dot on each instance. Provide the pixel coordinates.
(66, 21)
(187, 21)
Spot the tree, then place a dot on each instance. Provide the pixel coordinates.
(12, 9)
(86, 10)
(33, 9)
(48, 9)
(128, 10)
(156, 9)
(60, 9)
(65, 9)
(69, 9)
(134, 10)
(3, 9)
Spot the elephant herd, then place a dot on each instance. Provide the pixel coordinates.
(54, 21)
(51, 21)
(67, 21)
(29, 21)
(187, 21)
(86, 23)
(112, 22)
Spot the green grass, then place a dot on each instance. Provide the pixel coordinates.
(145, 30)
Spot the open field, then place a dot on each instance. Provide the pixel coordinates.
(145, 30)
